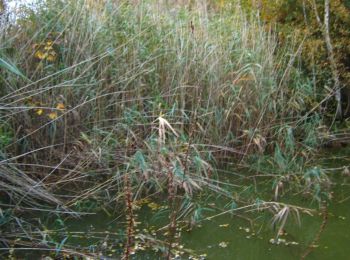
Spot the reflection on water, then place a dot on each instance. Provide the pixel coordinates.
(233, 237)
(246, 236)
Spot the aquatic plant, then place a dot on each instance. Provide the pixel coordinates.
(112, 101)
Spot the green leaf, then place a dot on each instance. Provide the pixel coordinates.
(12, 68)
(59, 247)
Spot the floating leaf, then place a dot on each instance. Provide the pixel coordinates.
(223, 244)
(272, 241)
(281, 241)
(224, 225)
(282, 232)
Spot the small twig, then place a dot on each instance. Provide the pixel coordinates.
(318, 235)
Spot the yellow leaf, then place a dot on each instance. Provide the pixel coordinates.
(39, 112)
(51, 57)
(60, 106)
(52, 115)
(153, 206)
(40, 55)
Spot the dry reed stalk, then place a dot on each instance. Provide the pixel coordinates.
(172, 224)
(130, 220)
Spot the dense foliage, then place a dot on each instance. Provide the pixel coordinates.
(105, 104)
(298, 19)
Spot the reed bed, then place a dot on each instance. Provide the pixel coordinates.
(116, 101)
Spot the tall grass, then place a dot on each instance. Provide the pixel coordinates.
(154, 94)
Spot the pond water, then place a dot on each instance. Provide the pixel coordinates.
(242, 243)
(246, 236)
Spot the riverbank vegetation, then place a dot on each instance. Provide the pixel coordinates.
(107, 106)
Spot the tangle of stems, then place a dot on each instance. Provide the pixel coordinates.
(172, 217)
(130, 220)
